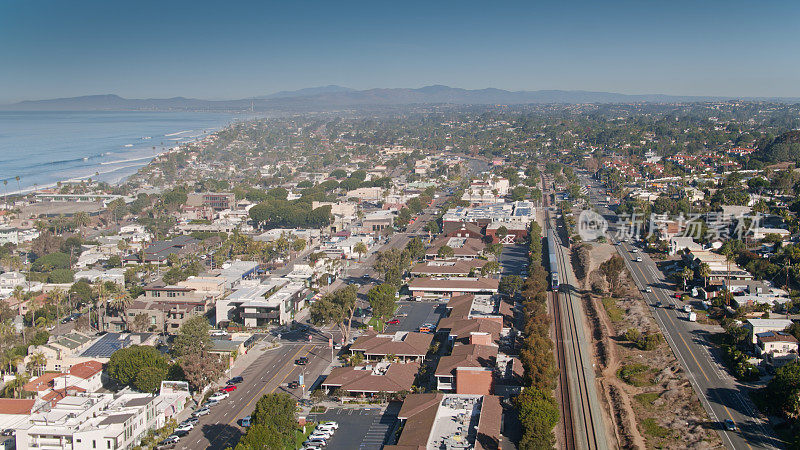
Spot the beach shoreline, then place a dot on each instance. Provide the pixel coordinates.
(128, 163)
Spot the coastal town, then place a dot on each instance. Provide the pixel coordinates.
(572, 276)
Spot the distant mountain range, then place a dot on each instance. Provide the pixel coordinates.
(337, 97)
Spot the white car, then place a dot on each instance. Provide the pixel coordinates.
(185, 427)
(219, 396)
(324, 434)
(648, 289)
(331, 424)
(634, 250)
(201, 412)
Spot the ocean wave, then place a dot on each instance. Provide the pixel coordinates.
(105, 163)
(179, 132)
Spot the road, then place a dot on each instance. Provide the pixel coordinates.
(271, 372)
(721, 396)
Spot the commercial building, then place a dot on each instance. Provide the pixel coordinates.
(450, 287)
(453, 421)
(371, 379)
(403, 345)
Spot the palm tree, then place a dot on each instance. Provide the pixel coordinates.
(57, 295)
(687, 274)
(14, 387)
(19, 189)
(704, 271)
(37, 363)
(361, 249)
(120, 303)
(102, 293)
(81, 219)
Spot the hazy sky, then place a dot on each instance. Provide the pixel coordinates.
(241, 48)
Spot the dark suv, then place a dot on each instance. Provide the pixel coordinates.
(302, 361)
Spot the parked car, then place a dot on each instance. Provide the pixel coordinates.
(170, 440)
(183, 429)
(235, 380)
(219, 396)
(315, 442)
(180, 433)
(302, 361)
(228, 388)
(393, 321)
(201, 412)
(294, 385)
(192, 420)
(424, 329)
(246, 421)
(210, 403)
(330, 424)
(186, 425)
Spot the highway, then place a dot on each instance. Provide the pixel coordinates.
(721, 396)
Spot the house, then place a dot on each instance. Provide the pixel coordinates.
(438, 420)
(14, 411)
(158, 251)
(83, 377)
(115, 275)
(63, 351)
(448, 267)
(777, 347)
(215, 200)
(368, 380)
(162, 316)
(682, 243)
(406, 346)
(450, 287)
(757, 326)
(463, 248)
(720, 268)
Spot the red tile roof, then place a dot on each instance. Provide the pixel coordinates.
(86, 369)
(16, 405)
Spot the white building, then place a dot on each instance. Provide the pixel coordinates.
(89, 421)
(757, 326)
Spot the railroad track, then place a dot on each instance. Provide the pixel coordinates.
(587, 432)
(565, 400)
(585, 435)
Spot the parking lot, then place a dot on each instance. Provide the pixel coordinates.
(366, 428)
(514, 260)
(413, 314)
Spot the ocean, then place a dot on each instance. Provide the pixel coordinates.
(43, 148)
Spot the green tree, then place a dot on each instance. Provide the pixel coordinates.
(538, 415)
(193, 337)
(510, 285)
(127, 364)
(382, 300)
(336, 308)
(445, 251)
(361, 249)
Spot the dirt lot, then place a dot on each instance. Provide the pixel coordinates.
(648, 398)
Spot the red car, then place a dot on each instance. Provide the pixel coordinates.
(228, 388)
(393, 321)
